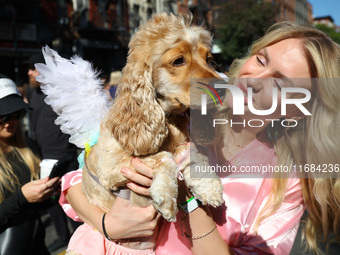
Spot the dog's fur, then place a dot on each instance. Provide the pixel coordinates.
(147, 118)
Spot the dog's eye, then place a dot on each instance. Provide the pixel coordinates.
(178, 61)
(211, 62)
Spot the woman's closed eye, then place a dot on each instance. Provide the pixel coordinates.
(261, 60)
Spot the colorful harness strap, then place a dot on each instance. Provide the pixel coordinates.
(88, 145)
(120, 192)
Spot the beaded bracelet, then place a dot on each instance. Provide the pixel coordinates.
(200, 236)
(195, 237)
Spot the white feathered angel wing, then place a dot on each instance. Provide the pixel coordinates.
(75, 93)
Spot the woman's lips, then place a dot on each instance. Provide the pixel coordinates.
(10, 128)
(244, 90)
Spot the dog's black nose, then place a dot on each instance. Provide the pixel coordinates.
(221, 91)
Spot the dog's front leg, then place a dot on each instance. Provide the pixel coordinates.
(205, 185)
(164, 188)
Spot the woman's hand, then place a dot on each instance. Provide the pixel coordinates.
(141, 180)
(127, 220)
(39, 190)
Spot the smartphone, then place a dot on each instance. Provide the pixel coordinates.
(60, 167)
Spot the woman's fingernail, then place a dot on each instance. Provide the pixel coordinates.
(124, 171)
(134, 159)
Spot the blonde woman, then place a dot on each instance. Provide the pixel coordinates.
(315, 141)
(21, 231)
(261, 215)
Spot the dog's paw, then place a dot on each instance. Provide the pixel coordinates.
(167, 210)
(164, 197)
(208, 190)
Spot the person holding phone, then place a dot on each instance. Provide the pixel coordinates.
(52, 143)
(21, 190)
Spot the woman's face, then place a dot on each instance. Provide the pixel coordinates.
(8, 129)
(32, 74)
(274, 66)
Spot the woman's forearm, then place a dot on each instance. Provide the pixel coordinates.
(122, 221)
(12, 206)
(200, 229)
(87, 212)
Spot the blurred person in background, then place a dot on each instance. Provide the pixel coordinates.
(115, 77)
(21, 190)
(52, 144)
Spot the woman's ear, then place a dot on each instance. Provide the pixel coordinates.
(136, 119)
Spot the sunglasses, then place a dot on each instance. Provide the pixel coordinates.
(18, 115)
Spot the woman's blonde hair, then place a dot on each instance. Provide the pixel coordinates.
(8, 180)
(316, 139)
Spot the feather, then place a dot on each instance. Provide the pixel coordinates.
(75, 93)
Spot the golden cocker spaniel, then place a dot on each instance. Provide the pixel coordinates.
(148, 118)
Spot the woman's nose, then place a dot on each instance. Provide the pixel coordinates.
(255, 83)
(259, 83)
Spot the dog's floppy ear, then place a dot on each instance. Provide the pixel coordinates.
(136, 119)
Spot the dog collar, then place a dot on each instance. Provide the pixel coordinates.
(120, 192)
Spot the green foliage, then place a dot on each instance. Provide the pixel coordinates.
(244, 22)
(331, 31)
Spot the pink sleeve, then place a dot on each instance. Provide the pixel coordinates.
(68, 180)
(276, 233)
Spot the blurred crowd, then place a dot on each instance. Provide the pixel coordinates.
(25, 117)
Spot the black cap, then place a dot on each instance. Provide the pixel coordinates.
(3, 76)
(10, 99)
(36, 58)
